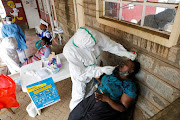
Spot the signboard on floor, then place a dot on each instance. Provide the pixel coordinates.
(43, 93)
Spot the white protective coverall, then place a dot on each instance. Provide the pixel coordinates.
(83, 52)
(9, 54)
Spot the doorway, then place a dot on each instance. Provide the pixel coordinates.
(31, 11)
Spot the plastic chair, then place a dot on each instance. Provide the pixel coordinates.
(7, 93)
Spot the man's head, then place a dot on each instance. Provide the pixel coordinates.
(42, 26)
(44, 41)
(129, 68)
(85, 38)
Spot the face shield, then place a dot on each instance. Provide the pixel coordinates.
(8, 20)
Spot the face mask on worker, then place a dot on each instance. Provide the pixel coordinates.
(8, 22)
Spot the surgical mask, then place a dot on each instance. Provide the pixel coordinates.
(123, 73)
(8, 22)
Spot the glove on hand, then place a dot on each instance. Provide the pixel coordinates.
(107, 70)
(131, 55)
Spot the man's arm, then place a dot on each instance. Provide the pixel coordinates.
(39, 35)
(124, 104)
(126, 100)
(106, 44)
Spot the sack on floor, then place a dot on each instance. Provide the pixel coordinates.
(7, 92)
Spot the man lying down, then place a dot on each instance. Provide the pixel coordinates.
(115, 94)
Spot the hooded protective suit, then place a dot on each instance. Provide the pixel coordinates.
(83, 52)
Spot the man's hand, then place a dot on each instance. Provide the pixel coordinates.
(107, 69)
(102, 97)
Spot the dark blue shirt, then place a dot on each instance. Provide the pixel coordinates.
(114, 88)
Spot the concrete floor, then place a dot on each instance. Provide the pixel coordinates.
(57, 111)
(31, 39)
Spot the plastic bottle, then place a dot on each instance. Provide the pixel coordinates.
(21, 55)
(58, 61)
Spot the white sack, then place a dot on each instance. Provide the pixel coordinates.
(9, 54)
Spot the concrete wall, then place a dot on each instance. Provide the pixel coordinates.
(65, 17)
(159, 78)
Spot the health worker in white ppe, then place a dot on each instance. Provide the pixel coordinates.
(83, 53)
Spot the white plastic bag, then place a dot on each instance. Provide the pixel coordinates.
(9, 54)
(31, 110)
(44, 61)
(58, 61)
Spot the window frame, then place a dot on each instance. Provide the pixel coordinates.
(153, 35)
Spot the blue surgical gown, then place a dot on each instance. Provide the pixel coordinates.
(114, 88)
(13, 30)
